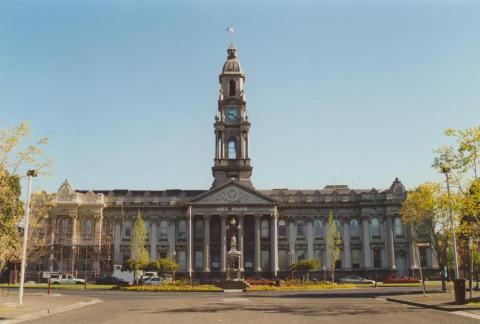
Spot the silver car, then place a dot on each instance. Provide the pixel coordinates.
(153, 281)
(356, 280)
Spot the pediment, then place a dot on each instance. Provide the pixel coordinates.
(233, 193)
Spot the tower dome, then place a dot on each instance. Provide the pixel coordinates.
(232, 65)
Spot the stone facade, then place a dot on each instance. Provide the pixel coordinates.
(92, 229)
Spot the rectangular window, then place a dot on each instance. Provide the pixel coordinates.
(423, 257)
(318, 256)
(300, 255)
(356, 259)
(182, 260)
(265, 260)
(283, 260)
(300, 230)
(198, 260)
(127, 230)
(377, 258)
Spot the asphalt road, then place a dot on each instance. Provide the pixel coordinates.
(339, 306)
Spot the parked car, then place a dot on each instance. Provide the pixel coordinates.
(110, 280)
(355, 280)
(153, 281)
(60, 279)
(395, 278)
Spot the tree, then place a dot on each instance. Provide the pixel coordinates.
(138, 253)
(305, 266)
(14, 159)
(426, 210)
(332, 242)
(164, 266)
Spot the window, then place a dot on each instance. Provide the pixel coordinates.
(87, 228)
(148, 228)
(354, 228)
(318, 255)
(398, 227)
(423, 257)
(65, 229)
(127, 229)
(182, 230)
(282, 228)
(231, 88)
(283, 260)
(375, 225)
(377, 258)
(318, 228)
(300, 229)
(163, 230)
(356, 259)
(199, 229)
(198, 260)
(182, 260)
(264, 229)
(338, 227)
(265, 260)
(300, 255)
(232, 150)
(338, 262)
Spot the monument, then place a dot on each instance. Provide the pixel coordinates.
(233, 255)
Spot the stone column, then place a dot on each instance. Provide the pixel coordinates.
(346, 246)
(171, 234)
(98, 241)
(223, 146)
(291, 237)
(206, 243)
(216, 145)
(240, 243)
(153, 240)
(367, 259)
(117, 241)
(223, 243)
(310, 239)
(328, 258)
(390, 247)
(74, 243)
(53, 230)
(189, 241)
(274, 241)
(413, 257)
(258, 263)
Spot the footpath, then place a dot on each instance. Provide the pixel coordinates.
(36, 305)
(443, 302)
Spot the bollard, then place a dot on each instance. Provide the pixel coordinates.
(49, 286)
(459, 287)
(85, 282)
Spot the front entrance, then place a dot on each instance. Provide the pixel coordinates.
(401, 262)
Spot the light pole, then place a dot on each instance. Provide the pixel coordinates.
(173, 254)
(291, 253)
(446, 170)
(30, 174)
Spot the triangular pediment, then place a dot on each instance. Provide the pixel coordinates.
(233, 193)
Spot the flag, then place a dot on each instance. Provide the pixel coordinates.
(230, 29)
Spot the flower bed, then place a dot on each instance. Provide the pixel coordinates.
(288, 287)
(173, 288)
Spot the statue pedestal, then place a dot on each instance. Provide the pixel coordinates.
(233, 266)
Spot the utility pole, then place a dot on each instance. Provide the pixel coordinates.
(30, 174)
(446, 170)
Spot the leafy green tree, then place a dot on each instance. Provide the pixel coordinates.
(426, 209)
(332, 242)
(138, 253)
(164, 266)
(305, 266)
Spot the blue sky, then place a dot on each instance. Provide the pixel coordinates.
(344, 92)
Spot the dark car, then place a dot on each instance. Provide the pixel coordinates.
(110, 280)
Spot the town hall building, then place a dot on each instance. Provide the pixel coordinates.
(92, 230)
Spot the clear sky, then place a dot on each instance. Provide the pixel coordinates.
(339, 92)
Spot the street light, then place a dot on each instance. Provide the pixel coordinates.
(30, 174)
(291, 253)
(173, 254)
(445, 168)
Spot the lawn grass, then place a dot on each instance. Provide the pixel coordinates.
(45, 286)
(299, 287)
(173, 288)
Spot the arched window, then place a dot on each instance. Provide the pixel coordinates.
(199, 229)
(282, 228)
(375, 226)
(300, 229)
(264, 229)
(87, 228)
(232, 88)
(65, 229)
(163, 230)
(354, 228)
(232, 149)
(318, 228)
(338, 227)
(181, 230)
(398, 227)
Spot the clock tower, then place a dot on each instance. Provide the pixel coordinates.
(232, 160)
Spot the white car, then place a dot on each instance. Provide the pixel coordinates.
(153, 281)
(356, 280)
(58, 279)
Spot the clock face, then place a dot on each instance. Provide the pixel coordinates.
(231, 114)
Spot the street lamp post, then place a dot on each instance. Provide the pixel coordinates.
(30, 174)
(446, 170)
(291, 253)
(173, 254)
